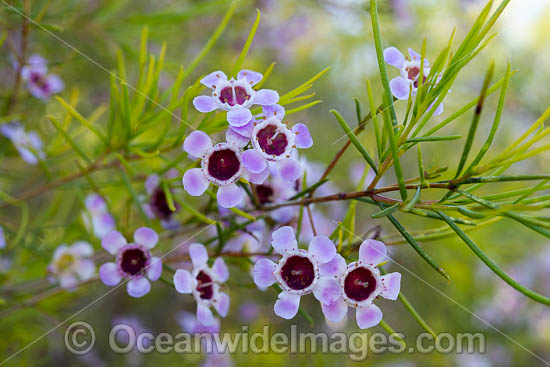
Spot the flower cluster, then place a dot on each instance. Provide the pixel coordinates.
(39, 83)
(255, 144)
(72, 264)
(28, 144)
(323, 272)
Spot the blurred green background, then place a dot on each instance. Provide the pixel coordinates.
(302, 37)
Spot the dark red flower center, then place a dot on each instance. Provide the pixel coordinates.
(271, 140)
(359, 284)
(223, 164)
(204, 285)
(159, 204)
(134, 261)
(265, 193)
(240, 97)
(298, 272)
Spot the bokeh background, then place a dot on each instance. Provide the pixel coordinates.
(302, 37)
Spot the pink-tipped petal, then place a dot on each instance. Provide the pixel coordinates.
(334, 267)
(205, 104)
(394, 57)
(194, 182)
(263, 273)
(258, 178)
(392, 285)
(109, 274)
(284, 240)
(155, 269)
(183, 281)
(252, 77)
(229, 196)
(400, 87)
(254, 161)
(327, 290)
(235, 138)
(372, 252)
(204, 315)
(368, 316)
(290, 169)
(239, 117)
(212, 79)
(113, 241)
(220, 269)
(198, 254)
(146, 237)
(287, 305)
(266, 97)
(222, 304)
(322, 248)
(197, 143)
(303, 137)
(335, 311)
(138, 287)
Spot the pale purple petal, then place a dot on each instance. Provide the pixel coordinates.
(183, 281)
(372, 252)
(198, 254)
(194, 182)
(414, 55)
(197, 143)
(68, 281)
(327, 290)
(229, 196)
(113, 241)
(138, 287)
(258, 178)
(284, 240)
(334, 267)
(251, 77)
(335, 311)
(266, 97)
(239, 117)
(438, 111)
(287, 305)
(109, 274)
(254, 161)
(245, 130)
(274, 110)
(222, 304)
(212, 79)
(205, 104)
(400, 87)
(322, 248)
(54, 83)
(235, 138)
(303, 137)
(220, 269)
(155, 269)
(368, 316)
(394, 57)
(146, 237)
(82, 248)
(392, 285)
(103, 223)
(204, 315)
(290, 169)
(95, 203)
(263, 273)
(283, 215)
(151, 183)
(2, 238)
(85, 269)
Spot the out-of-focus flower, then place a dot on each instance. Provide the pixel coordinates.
(39, 83)
(204, 283)
(134, 261)
(157, 205)
(28, 144)
(2, 238)
(72, 264)
(298, 272)
(360, 283)
(221, 164)
(97, 217)
(410, 77)
(275, 143)
(234, 96)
